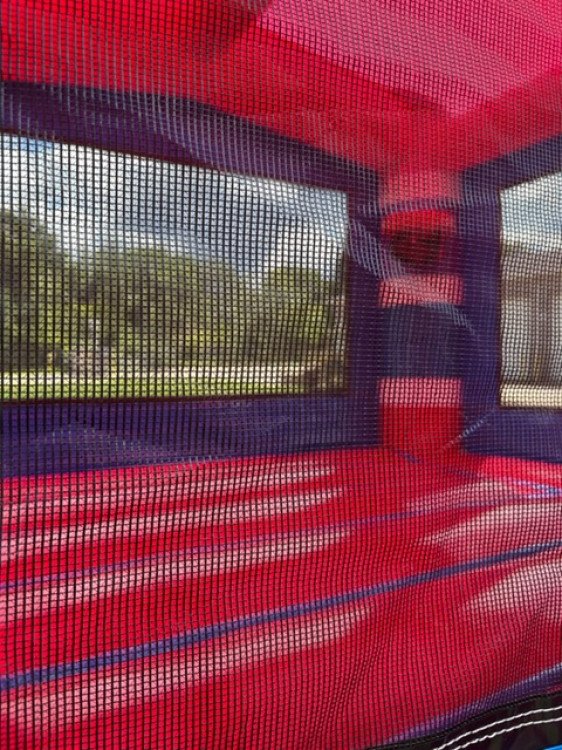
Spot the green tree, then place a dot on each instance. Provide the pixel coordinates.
(293, 314)
(165, 309)
(298, 283)
(40, 289)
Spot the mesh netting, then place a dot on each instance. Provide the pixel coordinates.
(281, 374)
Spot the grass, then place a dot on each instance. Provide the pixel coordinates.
(33, 386)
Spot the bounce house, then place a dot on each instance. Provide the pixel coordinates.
(281, 368)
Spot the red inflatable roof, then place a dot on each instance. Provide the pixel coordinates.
(382, 82)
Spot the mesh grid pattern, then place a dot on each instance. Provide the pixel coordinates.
(280, 373)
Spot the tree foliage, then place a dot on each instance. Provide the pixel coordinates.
(40, 292)
(153, 308)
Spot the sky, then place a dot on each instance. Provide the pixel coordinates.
(90, 199)
(532, 213)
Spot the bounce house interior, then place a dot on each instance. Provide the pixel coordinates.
(281, 375)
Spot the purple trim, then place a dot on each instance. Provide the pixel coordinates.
(174, 129)
(489, 428)
(420, 340)
(54, 437)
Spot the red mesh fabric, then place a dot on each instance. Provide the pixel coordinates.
(281, 374)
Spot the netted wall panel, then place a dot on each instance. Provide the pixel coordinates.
(281, 374)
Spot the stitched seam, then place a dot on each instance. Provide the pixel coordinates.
(453, 743)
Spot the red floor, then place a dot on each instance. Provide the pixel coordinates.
(330, 600)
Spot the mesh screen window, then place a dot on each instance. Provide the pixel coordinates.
(531, 294)
(127, 277)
